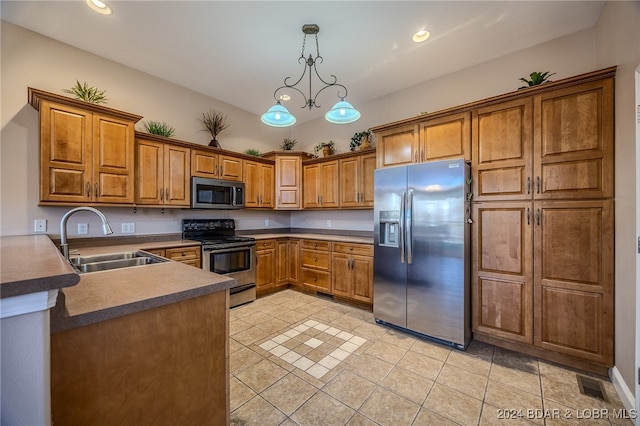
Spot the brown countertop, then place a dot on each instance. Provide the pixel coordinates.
(312, 236)
(31, 264)
(104, 295)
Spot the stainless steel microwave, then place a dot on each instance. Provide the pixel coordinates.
(216, 194)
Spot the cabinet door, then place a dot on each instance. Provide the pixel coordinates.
(328, 184)
(446, 137)
(266, 182)
(574, 278)
(502, 151)
(342, 275)
(398, 146)
(367, 190)
(149, 172)
(187, 255)
(281, 255)
(362, 272)
(113, 160)
(65, 153)
(502, 279)
(293, 261)
(265, 268)
(573, 142)
(204, 164)
(251, 184)
(288, 182)
(177, 168)
(311, 197)
(230, 168)
(350, 178)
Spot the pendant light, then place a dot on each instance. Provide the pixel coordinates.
(341, 113)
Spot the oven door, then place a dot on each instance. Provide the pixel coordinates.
(236, 262)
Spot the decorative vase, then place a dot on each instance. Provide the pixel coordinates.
(326, 150)
(214, 143)
(364, 144)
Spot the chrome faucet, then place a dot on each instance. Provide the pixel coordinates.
(64, 247)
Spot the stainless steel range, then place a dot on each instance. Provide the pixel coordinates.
(225, 253)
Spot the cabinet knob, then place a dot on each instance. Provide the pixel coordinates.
(315, 259)
(184, 254)
(315, 278)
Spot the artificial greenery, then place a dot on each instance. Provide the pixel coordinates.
(319, 147)
(251, 151)
(214, 122)
(356, 139)
(158, 128)
(288, 144)
(87, 93)
(537, 77)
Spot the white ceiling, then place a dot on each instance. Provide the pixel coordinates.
(240, 51)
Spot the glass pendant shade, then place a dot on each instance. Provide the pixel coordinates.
(278, 116)
(342, 112)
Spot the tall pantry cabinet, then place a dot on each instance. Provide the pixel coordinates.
(543, 209)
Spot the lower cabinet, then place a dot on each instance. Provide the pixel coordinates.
(315, 265)
(266, 265)
(189, 255)
(543, 278)
(352, 271)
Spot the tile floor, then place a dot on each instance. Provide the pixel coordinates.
(297, 359)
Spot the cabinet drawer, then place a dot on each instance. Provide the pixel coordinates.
(182, 254)
(318, 279)
(265, 244)
(316, 259)
(316, 245)
(158, 252)
(353, 248)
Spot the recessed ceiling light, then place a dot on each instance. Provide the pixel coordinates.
(285, 97)
(100, 7)
(421, 36)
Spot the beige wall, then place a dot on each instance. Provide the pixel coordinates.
(618, 42)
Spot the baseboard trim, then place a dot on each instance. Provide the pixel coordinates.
(623, 390)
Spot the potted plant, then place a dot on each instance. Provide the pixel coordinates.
(87, 93)
(158, 128)
(361, 139)
(214, 122)
(537, 77)
(288, 144)
(325, 147)
(253, 152)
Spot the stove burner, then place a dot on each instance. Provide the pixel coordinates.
(214, 233)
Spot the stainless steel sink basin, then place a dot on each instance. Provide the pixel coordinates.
(105, 262)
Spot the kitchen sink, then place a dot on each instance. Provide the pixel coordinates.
(105, 262)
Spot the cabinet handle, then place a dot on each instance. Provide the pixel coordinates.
(161, 194)
(528, 216)
(97, 192)
(221, 170)
(318, 200)
(216, 171)
(422, 155)
(538, 217)
(415, 156)
(528, 185)
(88, 189)
(166, 197)
(538, 184)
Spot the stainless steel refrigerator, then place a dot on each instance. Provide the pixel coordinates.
(422, 251)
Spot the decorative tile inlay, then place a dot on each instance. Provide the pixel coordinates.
(349, 344)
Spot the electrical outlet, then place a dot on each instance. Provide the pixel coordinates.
(266, 223)
(328, 224)
(83, 228)
(128, 228)
(40, 225)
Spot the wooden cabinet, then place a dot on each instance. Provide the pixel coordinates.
(86, 151)
(288, 182)
(320, 185)
(352, 271)
(288, 264)
(189, 255)
(210, 164)
(265, 264)
(438, 138)
(315, 265)
(162, 173)
(258, 184)
(356, 180)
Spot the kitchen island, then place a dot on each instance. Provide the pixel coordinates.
(141, 345)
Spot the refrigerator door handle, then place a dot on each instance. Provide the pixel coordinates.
(401, 223)
(409, 228)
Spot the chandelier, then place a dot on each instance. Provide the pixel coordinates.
(341, 113)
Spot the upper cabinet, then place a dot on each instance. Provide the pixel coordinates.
(210, 164)
(86, 151)
(356, 180)
(162, 172)
(258, 184)
(321, 185)
(438, 138)
(288, 186)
